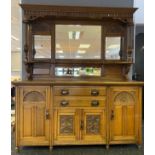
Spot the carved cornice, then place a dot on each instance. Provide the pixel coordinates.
(32, 12)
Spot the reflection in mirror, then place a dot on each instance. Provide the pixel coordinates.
(77, 71)
(113, 48)
(42, 46)
(78, 42)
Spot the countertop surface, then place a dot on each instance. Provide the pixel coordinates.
(78, 82)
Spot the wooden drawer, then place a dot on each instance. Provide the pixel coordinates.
(79, 91)
(74, 101)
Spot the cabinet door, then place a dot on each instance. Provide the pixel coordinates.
(34, 115)
(123, 114)
(93, 126)
(66, 128)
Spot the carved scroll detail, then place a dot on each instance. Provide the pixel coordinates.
(34, 96)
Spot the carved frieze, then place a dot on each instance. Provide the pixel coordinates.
(32, 12)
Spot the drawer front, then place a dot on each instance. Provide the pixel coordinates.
(79, 91)
(74, 101)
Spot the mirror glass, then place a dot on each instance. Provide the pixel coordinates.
(112, 48)
(77, 71)
(78, 42)
(42, 46)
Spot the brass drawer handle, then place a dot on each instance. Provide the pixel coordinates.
(64, 92)
(64, 103)
(95, 103)
(94, 92)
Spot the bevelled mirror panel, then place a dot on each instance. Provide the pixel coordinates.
(78, 42)
(42, 47)
(113, 48)
(77, 71)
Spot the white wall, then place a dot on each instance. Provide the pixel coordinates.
(139, 14)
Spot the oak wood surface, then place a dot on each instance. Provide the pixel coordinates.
(79, 82)
(124, 106)
(64, 111)
(79, 122)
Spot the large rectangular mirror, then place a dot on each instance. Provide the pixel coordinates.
(113, 48)
(78, 42)
(42, 46)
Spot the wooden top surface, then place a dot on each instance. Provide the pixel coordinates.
(78, 82)
(83, 8)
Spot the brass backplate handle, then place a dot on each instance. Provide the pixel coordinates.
(64, 103)
(47, 115)
(94, 92)
(82, 125)
(94, 103)
(64, 92)
(112, 114)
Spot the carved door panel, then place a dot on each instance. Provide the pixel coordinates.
(66, 123)
(93, 125)
(123, 114)
(34, 115)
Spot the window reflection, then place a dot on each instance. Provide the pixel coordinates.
(113, 48)
(77, 71)
(78, 42)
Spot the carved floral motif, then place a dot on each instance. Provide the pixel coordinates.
(66, 124)
(93, 124)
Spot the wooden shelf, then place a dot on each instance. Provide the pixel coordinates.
(79, 62)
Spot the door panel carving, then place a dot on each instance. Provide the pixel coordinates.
(124, 98)
(34, 96)
(94, 129)
(93, 124)
(123, 103)
(34, 127)
(66, 124)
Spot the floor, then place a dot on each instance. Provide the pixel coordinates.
(79, 150)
